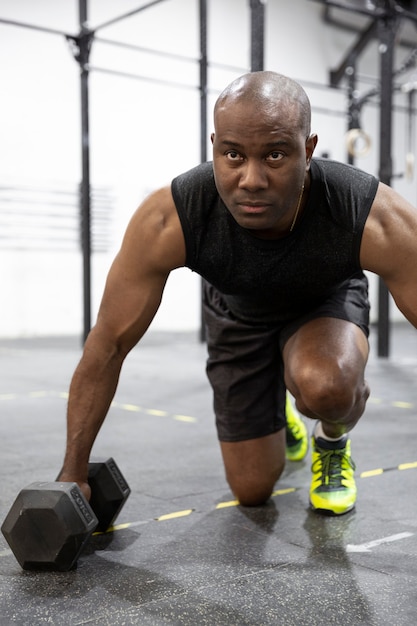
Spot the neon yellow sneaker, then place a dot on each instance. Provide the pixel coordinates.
(296, 434)
(333, 488)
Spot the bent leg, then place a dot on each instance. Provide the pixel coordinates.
(325, 363)
(253, 466)
(246, 372)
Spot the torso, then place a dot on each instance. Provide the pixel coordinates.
(269, 281)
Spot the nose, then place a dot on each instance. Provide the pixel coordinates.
(253, 176)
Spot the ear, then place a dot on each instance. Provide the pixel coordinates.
(311, 144)
(212, 138)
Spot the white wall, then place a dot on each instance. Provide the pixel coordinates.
(142, 133)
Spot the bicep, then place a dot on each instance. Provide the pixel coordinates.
(153, 245)
(389, 248)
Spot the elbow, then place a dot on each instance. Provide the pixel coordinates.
(105, 347)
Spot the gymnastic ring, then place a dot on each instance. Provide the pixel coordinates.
(352, 137)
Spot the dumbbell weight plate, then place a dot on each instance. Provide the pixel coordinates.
(48, 525)
(109, 491)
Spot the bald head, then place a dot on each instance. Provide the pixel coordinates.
(268, 91)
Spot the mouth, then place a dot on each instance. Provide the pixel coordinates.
(253, 207)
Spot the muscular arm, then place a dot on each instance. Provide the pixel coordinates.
(389, 248)
(152, 246)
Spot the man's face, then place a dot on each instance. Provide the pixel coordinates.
(260, 160)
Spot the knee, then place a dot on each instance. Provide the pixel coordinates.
(248, 495)
(330, 394)
(253, 466)
(251, 490)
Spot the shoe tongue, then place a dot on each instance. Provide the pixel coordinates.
(331, 445)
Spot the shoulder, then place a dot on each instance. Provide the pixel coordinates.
(201, 173)
(389, 248)
(197, 182)
(336, 174)
(389, 233)
(346, 191)
(155, 230)
(155, 212)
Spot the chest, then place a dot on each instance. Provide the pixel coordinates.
(309, 261)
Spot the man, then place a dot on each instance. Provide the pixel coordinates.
(281, 240)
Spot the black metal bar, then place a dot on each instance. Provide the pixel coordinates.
(257, 34)
(348, 6)
(84, 43)
(407, 14)
(203, 80)
(408, 64)
(364, 38)
(353, 109)
(43, 29)
(169, 55)
(331, 20)
(126, 15)
(387, 32)
(203, 111)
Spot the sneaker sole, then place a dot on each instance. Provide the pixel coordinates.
(331, 513)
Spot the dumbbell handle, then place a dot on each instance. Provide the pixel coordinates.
(82, 485)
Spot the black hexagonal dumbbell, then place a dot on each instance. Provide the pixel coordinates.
(109, 491)
(49, 524)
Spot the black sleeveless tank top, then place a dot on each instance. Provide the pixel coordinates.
(275, 281)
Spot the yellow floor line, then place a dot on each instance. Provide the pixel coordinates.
(232, 503)
(163, 518)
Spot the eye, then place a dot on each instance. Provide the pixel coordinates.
(274, 156)
(232, 155)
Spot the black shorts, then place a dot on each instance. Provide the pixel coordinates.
(245, 366)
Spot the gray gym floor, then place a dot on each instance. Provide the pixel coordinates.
(182, 552)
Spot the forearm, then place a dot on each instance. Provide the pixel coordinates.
(91, 392)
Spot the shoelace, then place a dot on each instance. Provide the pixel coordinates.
(331, 466)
